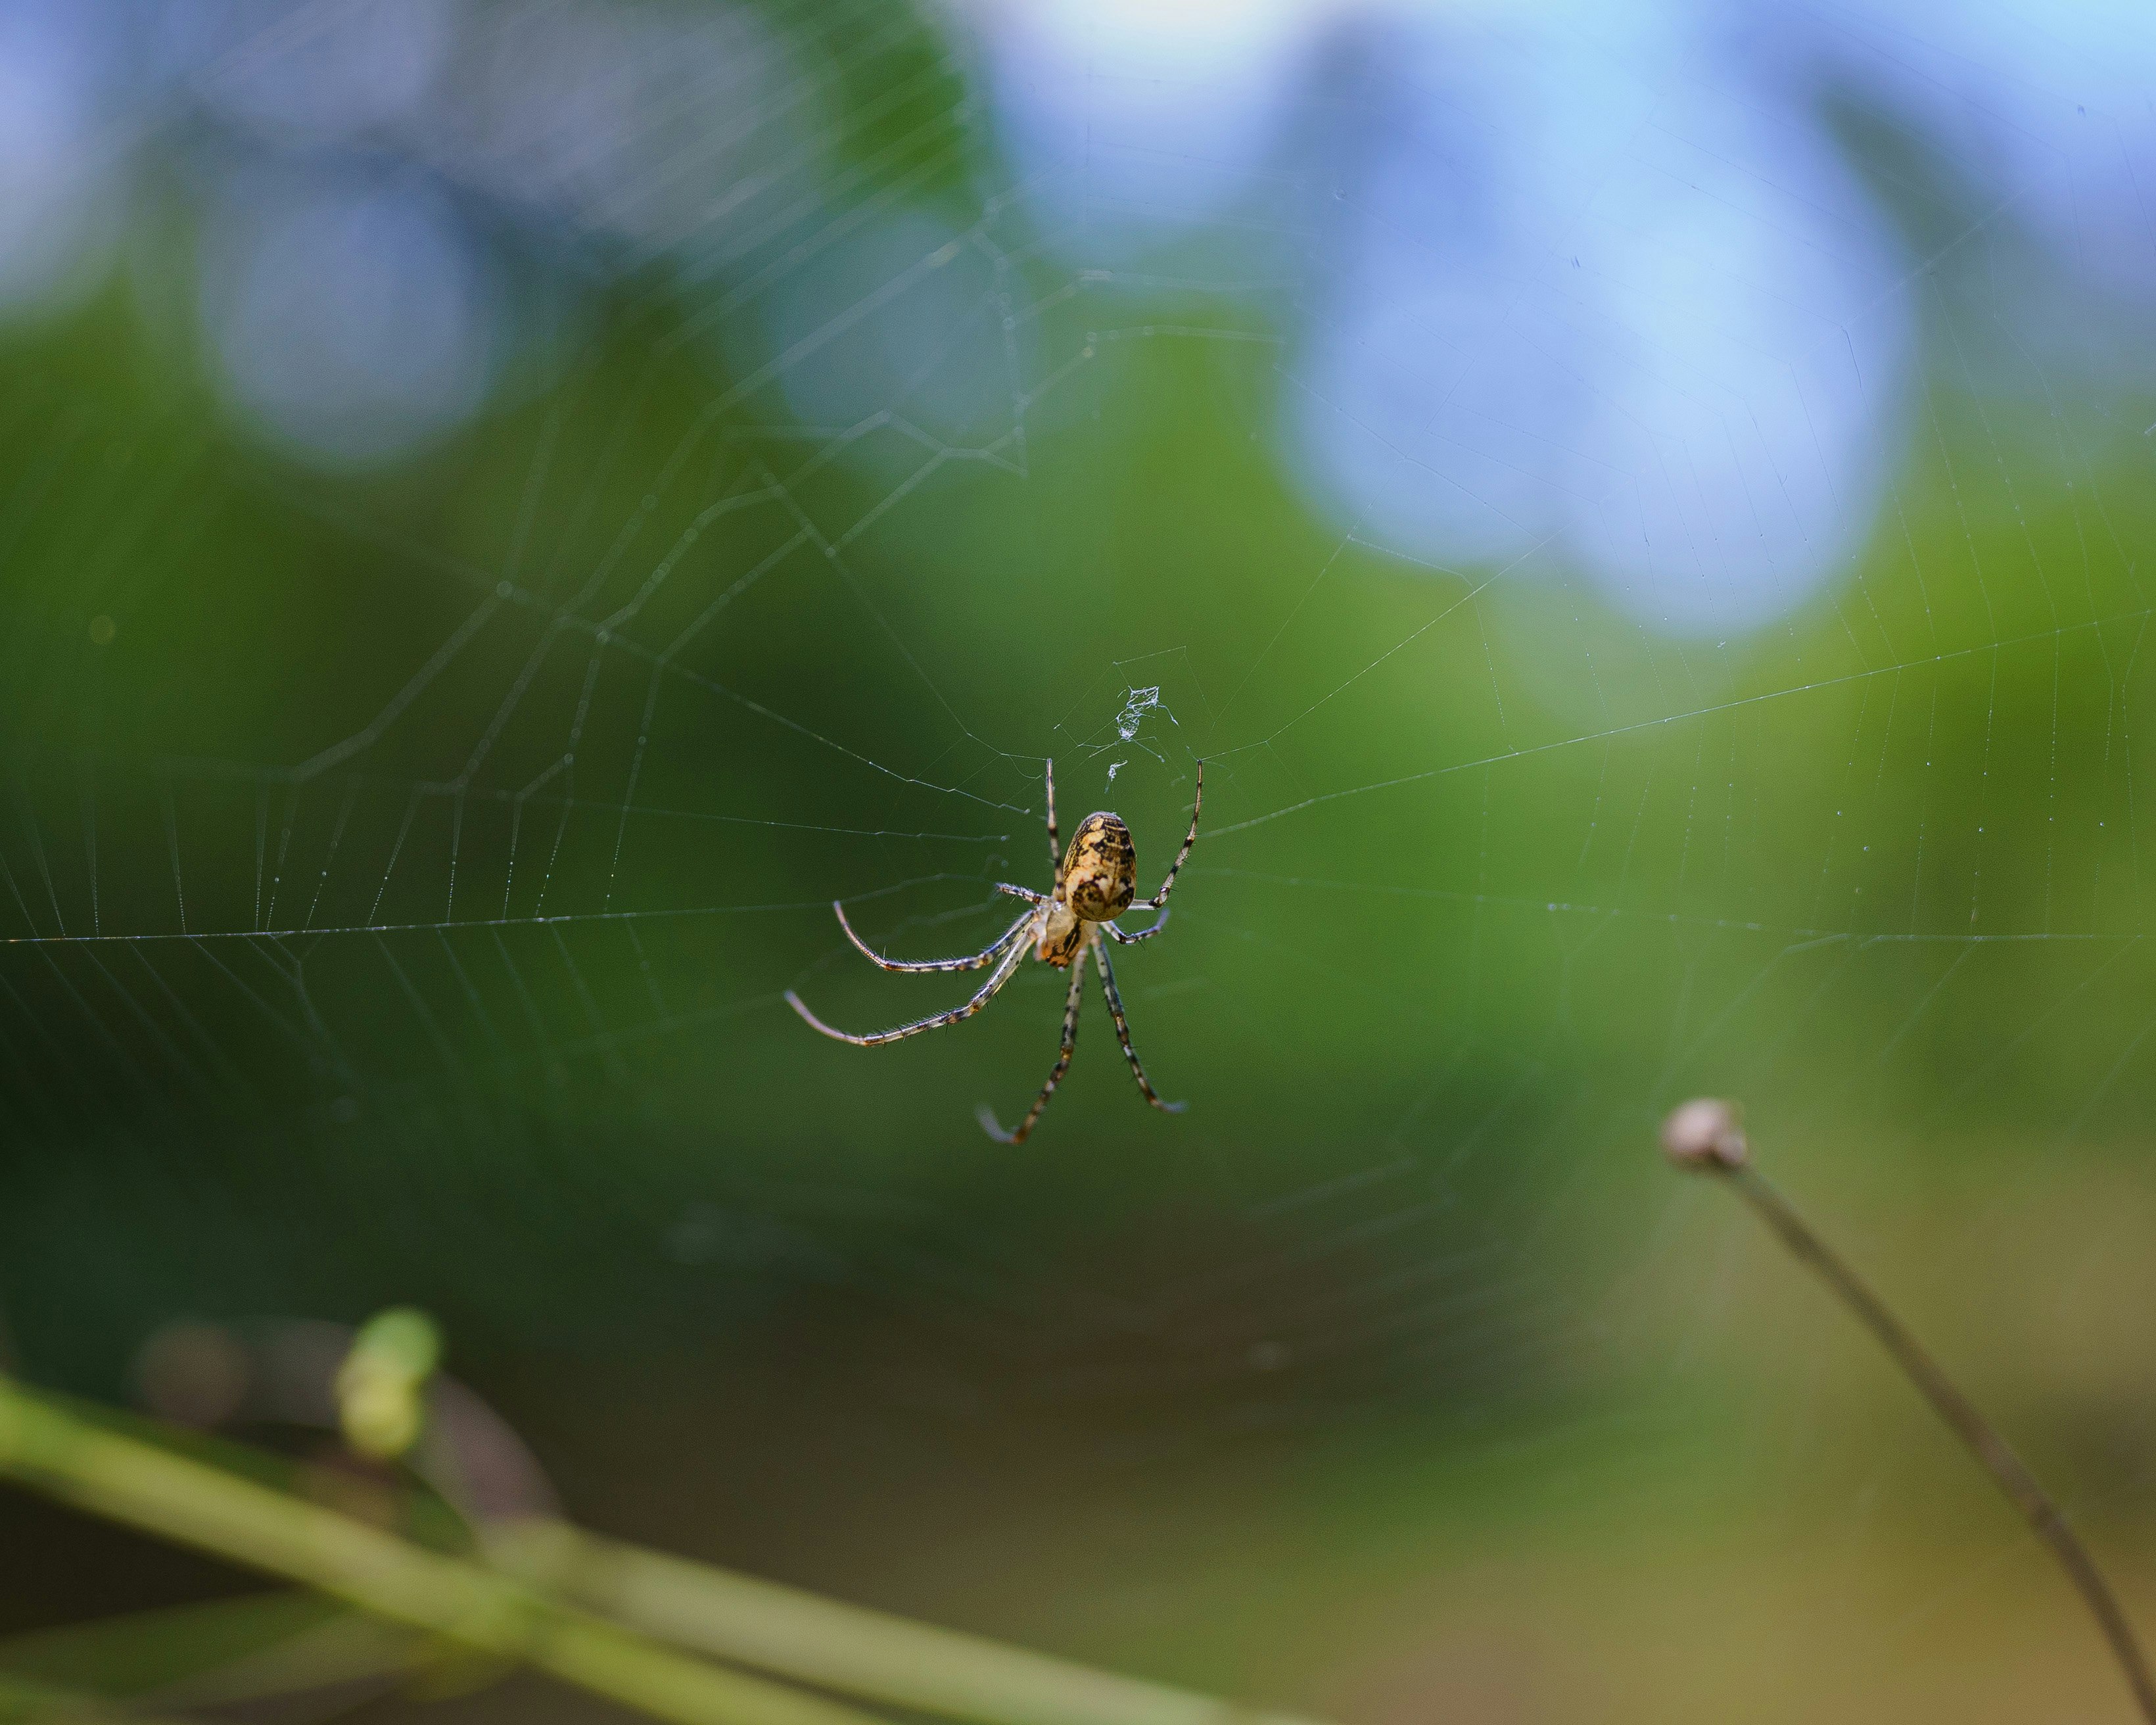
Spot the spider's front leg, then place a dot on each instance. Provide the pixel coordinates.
(923, 967)
(1123, 1029)
(1071, 1004)
(1014, 950)
(1120, 939)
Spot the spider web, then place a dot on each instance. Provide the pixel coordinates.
(402, 890)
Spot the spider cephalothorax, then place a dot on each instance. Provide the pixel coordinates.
(1095, 882)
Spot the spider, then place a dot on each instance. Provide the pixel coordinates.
(1095, 883)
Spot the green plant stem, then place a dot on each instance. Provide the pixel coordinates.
(537, 1567)
(42, 1704)
(218, 1652)
(125, 1480)
(1990, 1450)
(858, 1651)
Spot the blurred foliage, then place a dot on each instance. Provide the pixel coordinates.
(1483, 864)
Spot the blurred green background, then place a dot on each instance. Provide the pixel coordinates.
(405, 860)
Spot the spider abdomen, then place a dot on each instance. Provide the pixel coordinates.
(1101, 869)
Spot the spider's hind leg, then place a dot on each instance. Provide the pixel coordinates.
(1159, 900)
(1055, 843)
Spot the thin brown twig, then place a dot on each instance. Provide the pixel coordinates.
(1705, 1136)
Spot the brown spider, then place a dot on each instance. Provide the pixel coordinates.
(1095, 881)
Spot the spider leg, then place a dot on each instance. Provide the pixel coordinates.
(1016, 947)
(1118, 936)
(1175, 868)
(987, 1116)
(979, 961)
(1123, 1031)
(1055, 843)
(1025, 892)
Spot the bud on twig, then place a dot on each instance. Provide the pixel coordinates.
(381, 1387)
(1705, 1134)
